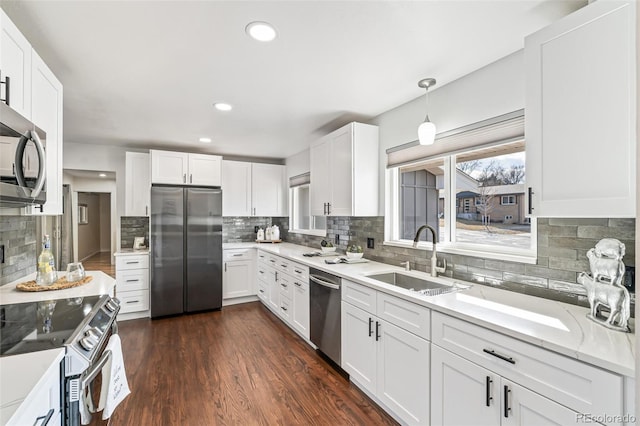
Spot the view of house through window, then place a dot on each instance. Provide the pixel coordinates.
(492, 181)
(474, 199)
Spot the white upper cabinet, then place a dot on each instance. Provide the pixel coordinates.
(181, 168)
(236, 188)
(46, 113)
(137, 184)
(15, 63)
(344, 172)
(268, 189)
(253, 189)
(581, 113)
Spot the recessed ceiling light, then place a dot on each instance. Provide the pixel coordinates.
(261, 31)
(221, 106)
(102, 175)
(205, 140)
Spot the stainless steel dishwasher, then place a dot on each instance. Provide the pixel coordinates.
(324, 303)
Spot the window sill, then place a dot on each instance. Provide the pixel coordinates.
(316, 232)
(524, 256)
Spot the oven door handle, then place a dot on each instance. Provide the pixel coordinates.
(324, 283)
(95, 369)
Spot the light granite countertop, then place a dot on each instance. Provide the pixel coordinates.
(557, 326)
(131, 252)
(100, 284)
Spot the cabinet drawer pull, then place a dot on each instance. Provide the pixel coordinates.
(506, 401)
(377, 331)
(132, 281)
(297, 284)
(370, 328)
(497, 355)
(283, 308)
(238, 254)
(284, 265)
(261, 291)
(133, 301)
(45, 419)
(283, 285)
(133, 263)
(262, 272)
(272, 261)
(488, 397)
(297, 271)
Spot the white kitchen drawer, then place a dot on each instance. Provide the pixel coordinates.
(138, 261)
(230, 255)
(38, 404)
(406, 315)
(263, 291)
(132, 279)
(133, 301)
(577, 385)
(285, 309)
(358, 295)
(263, 272)
(299, 271)
(286, 285)
(262, 256)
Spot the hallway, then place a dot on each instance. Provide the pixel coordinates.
(100, 262)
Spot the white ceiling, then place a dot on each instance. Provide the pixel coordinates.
(146, 73)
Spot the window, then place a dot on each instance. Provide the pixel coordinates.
(508, 200)
(301, 221)
(471, 196)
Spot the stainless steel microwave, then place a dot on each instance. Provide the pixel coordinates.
(22, 160)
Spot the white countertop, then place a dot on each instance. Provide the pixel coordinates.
(131, 252)
(100, 284)
(21, 375)
(557, 326)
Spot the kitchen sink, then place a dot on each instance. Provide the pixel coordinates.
(420, 285)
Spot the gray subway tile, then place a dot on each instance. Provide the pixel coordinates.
(526, 279)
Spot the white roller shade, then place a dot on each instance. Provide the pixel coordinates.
(498, 130)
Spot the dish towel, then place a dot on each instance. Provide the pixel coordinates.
(115, 387)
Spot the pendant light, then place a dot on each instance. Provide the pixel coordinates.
(427, 130)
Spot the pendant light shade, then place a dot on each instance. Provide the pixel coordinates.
(427, 130)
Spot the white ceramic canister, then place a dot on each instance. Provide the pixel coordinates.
(267, 234)
(275, 233)
(260, 236)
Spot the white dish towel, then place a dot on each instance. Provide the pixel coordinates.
(115, 387)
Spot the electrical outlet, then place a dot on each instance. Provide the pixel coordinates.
(2, 253)
(337, 239)
(370, 242)
(255, 229)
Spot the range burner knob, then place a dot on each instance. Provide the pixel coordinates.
(88, 343)
(112, 304)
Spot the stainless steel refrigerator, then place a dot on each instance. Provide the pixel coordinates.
(186, 249)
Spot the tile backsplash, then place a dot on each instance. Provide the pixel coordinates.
(562, 247)
(18, 235)
(241, 229)
(131, 227)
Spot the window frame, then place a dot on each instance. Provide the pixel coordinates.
(292, 206)
(448, 244)
(514, 197)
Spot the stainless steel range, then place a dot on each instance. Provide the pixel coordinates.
(82, 326)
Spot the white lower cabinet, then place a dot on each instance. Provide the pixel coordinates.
(132, 284)
(495, 379)
(464, 393)
(283, 287)
(389, 362)
(238, 278)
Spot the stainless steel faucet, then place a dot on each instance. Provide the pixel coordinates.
(434, 239)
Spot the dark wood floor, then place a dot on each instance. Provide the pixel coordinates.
(238, 366)
(100, 262)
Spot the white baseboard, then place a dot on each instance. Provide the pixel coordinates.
(239, 300)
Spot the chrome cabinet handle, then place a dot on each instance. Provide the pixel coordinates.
(377, 331)
(530, 194)
(297, 271)
(7, 90)
(328, 209)
(497, 355)
(132, 301)
(488, 396)
(297, 284)
(133, 263)
(191, 178)
(184, 178)
(132, 281)
(324, 283)
(146, 210)
(237, 254)
(370, 326)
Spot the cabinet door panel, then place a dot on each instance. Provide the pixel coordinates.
(319, 189)
(300, 317)
(138, 184)
(15, 63)
(341, 173)
(527, 408)
(267, 189)
(459, 393)
(358, 346)
(204, 170)
(236, 188)
(238, 279)
(581, 142)
(46, 113)
(169, 167)
(403, 373)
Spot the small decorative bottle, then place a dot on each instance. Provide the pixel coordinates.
(47, 274)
